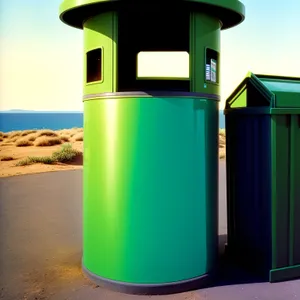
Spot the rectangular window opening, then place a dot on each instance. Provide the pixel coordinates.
(94, 65)
(163, 65)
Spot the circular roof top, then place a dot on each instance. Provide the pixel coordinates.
(75, 12)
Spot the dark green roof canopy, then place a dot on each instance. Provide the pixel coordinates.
(75, 12)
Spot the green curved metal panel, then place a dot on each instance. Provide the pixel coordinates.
(204, 33)
(101, 32)
(148, 202)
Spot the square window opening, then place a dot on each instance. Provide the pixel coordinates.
(94, 65)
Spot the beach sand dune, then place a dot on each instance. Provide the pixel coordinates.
(17, 146)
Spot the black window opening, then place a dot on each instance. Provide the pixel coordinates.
(151, 32)
(94, 65)
(212, 66)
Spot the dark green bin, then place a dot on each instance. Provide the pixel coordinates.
(262, 118)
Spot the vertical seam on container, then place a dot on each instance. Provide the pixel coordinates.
(291, 197)
(273, 184)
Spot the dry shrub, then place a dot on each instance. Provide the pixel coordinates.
(1, 139)
(222, 132)
(35, 160)
(6, 158)
(44, 141)
(14, 134)
(31, 137)
(77, 129)
(24, 142)
(64, 138)
(65, 154)
(46, 132)
(222, 153)
(78, 137)
(72, 132)
(27, 132)
(13, 140)
(222, 138)
(222, 142)
(64, 131)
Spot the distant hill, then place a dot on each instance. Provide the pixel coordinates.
(18, 110)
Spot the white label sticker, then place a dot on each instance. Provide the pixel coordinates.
(207, 72)
(213, 70)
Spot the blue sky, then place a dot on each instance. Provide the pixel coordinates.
(41, 58)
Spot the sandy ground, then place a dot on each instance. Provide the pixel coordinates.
(9, 168)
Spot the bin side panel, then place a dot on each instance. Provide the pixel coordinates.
(249, 189)
(280, 189)
(145, 189)
(295, 190)
(230, 167)
(212, 189)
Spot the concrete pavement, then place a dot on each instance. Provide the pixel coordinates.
(40, 247)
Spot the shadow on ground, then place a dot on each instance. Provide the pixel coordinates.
(230, 273)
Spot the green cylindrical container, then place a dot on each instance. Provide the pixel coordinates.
(150, 205)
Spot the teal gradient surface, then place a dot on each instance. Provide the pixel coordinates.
(148, 205)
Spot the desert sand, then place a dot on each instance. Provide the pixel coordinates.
(17, 146)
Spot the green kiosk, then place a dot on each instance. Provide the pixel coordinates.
(150, 178)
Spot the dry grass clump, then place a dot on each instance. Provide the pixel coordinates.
(65, 154)
(14, 134)
(64, 131)
(44, 141)
(35, 160)
(222, 153)
(64, 138)
(24, 142)
(78, 137)
(31, 137)
(3, 135)
(222, 138)
(12, 140)
(69, 132)
(6, 158)
(27, 132)
(46, 132)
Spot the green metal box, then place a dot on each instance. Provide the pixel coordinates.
(263, 174)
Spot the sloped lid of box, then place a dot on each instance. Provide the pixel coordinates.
(267, 91)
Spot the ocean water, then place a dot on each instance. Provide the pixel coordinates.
(10, 121)
(23, 120)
